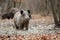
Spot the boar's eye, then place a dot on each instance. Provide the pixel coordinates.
(21, 11)
(28, 11)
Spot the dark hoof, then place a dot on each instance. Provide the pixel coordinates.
(26, 28)
(17, 27)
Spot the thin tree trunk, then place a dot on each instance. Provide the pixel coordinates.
(58, 9)
(54, 13)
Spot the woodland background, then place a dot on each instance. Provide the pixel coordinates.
(42, 7)
(44, 25)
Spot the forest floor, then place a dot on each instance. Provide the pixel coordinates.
(40, 28)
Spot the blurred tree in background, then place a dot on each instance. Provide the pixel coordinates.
(6, 5)
(36, 6)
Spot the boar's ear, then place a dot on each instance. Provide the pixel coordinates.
(21, 11)
(28, 11)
